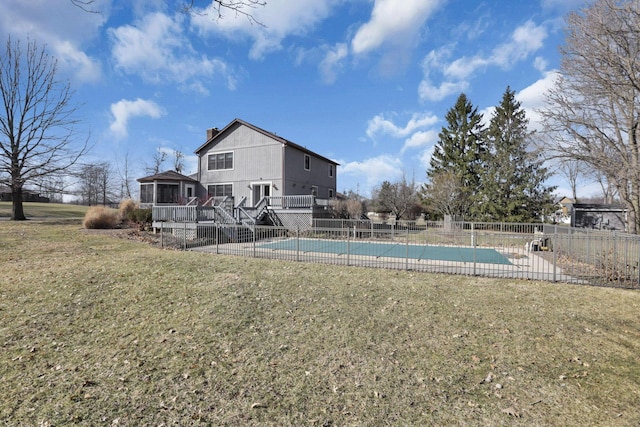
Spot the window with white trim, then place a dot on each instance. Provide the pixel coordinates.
(307, 162)
(330, 170)
(220, 161)
(220, 190)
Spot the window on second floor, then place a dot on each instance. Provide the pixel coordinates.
(307, 162)
(331, 193)
(219, 161)
(330, 171)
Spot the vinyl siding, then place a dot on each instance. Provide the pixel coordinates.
(256, 158)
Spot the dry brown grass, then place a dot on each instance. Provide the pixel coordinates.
(98, 330)
(100, 217)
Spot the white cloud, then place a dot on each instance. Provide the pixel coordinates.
(380, 125)
(84, 68)
(47, 23)
(540, 64)
(280, 19)
(332, 62)
(524, 41)
(392, 20)
(156, 49)
(420, 139)
(533, 98)
(372, 171)
(125, 109)
(425, 157)
(426, 91)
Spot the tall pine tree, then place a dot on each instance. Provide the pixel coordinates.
(513, 188)
(460, 150)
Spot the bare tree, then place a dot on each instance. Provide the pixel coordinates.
(96, 184)
(398, 198)
(446, 195)
(178, 161)
(572, 169)
(36, 121)
(126, 180)
(157, 160)
(593, 112)
(238, 7)
(351, 206)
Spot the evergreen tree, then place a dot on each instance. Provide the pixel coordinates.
(513, 187)
(460, 150)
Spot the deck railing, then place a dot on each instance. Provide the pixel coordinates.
(183, 213)
(291, 202)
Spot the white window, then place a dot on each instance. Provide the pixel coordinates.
(220, 161)
(331, 193)
(330, 170)
(220, 190)
(307, 162)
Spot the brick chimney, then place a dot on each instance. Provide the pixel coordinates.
(211, 133)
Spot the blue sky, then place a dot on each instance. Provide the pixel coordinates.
(364, 82)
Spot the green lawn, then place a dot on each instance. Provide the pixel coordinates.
(45, 210)
(101, 330)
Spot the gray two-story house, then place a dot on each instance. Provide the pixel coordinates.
(245, 161)
(245, 170)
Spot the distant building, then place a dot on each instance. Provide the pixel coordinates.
(27, 196)
(599, 216)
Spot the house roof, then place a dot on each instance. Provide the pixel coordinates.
(599, 207)
(166, 176)
(272, 135)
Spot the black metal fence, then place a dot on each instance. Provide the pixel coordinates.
(523, 251)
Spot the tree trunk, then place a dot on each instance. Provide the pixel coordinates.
(17, 211)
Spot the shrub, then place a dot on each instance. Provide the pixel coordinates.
(142, 217)
(126, 209)
(100, 217)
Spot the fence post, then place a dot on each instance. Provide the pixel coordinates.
(406, 258)
(184, 237)
(473, 245)
(217, 238)
(162, 234)
(554, 244)
(298, 243)
(255, 227)
(348, 246)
